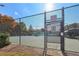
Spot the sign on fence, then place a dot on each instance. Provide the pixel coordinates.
(53, 30)
(53, 18)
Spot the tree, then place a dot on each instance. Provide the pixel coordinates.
(5, 27)
(73, 30)
(30, 31)
(30, 28)
(7, 24)
(74, 25)
(20, 28)
(23, 26)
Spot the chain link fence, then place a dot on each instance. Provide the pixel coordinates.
(32, 31)
(57, 29)
(71, 29)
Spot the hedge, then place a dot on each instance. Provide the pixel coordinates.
(4, 39)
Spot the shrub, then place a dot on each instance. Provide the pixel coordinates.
(4, 39)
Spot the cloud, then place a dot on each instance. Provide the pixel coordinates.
(27, 11)
(16, 13)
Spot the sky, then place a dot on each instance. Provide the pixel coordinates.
(18, 10)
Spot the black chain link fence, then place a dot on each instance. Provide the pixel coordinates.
(57, 29)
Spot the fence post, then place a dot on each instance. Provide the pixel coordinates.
(19, 32)
(45, 36)
(62, 32)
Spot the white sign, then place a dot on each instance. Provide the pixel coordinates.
(53, 18)
(49, 28)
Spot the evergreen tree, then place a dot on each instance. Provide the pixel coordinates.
(30, 31)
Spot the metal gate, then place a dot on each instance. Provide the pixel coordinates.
(54, 30)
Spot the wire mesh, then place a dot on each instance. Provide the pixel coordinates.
(53, 20)
(71, 28)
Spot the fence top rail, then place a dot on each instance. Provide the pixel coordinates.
(48, 11)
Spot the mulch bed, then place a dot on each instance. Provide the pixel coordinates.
(31, 50)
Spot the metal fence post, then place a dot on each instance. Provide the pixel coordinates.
(19, 32)
(62, 32)
(45, 36)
